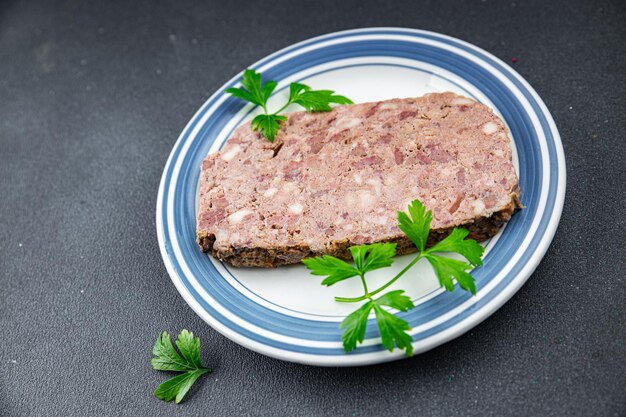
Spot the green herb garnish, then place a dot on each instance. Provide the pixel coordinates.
(188, 362)
(393, 330)
(257, 92)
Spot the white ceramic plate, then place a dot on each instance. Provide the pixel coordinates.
(285, 313)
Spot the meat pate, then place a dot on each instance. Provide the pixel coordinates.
(336, 179)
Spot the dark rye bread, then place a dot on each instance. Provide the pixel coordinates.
(333, 180)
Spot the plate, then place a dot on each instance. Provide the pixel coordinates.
(285, 313)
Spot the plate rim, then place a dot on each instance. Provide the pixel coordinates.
(447, 334)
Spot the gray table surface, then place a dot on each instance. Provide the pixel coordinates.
(92, 99)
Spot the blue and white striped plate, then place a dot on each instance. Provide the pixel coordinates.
(285, 313)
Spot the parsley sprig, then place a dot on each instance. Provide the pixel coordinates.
(393, 329)
(257, 92)
(188, 362)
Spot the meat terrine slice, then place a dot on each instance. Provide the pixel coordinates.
(336, 179)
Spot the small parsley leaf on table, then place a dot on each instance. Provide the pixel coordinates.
(168, 359)
(177, 387)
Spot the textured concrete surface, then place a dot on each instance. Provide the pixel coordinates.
(92, 98)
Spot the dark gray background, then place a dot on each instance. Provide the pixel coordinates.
(92, 99)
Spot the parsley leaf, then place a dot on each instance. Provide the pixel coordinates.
(448, 268)
(256, 92)
(375, 256)
(189, 348)
(267, 89)
(178, 386)
(167, 359)
(252, 90)
(314, 100)
(393, 329)
(243, 94)
(268, 124)
(456, 242)
(252, 82)
(295, 89)
(188, 362)
(355, 325)
(396, 299)
(366, 258)
(336, 269)
(417, 226)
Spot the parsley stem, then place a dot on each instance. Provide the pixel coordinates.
(376, 291)
(282, 108)
(367, 293)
